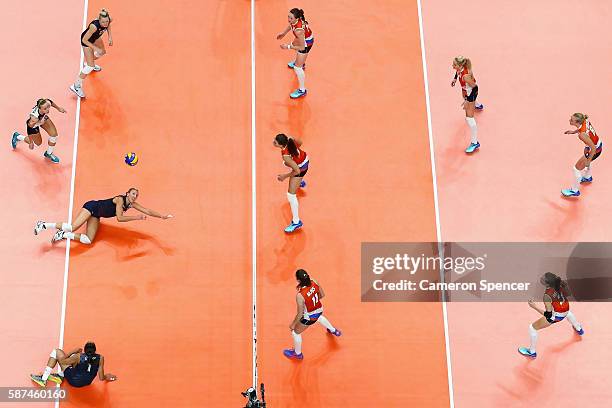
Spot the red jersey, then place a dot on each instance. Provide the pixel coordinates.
(465, 88)
(590, 131)
(311, 299)
(560, 303)
(300, 24)
(301, 159)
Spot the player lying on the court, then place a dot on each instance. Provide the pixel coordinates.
(39, 118)
(78, 368)
(309, 311)
(557, 308)
(469, 90)
(91, 213)
(592, 150)
(304, 40)
(93, 48)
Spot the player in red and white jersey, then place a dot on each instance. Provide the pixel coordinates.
(304, 40)
(469, 90)
(557, 308)
(296, 159)
(582, 169)
(309, 311)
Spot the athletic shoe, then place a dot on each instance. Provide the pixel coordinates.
(479, 107)
(51, 157)
(336, 333)
(59, 235)
(97, 68)
(586, 179)
(292, 65)
(570, 192)
(525, 352)
(298, 93)
(38, 380)
(56, 378)
(579, 332)
(14, 140)
(302, 184)
(40, 225)
(290, 353)
(78, 91)
(472, 147)
(292, 227)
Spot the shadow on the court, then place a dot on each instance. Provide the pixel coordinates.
(50, 178)
(287, 257)
(451, 159)
(128, 244)
(533, 376)
(561, 224)
(95, 395)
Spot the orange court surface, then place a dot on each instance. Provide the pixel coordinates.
(192, 310)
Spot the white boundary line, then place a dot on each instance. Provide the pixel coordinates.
(71, 202)
(436, 206)
(253, 196)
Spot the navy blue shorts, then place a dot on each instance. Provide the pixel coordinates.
(307, 49)
(32, 131)
(76, 380)
(93, 208)
(587, 152)
(472, 96)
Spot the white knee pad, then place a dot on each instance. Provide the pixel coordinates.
(86, 70)
(97, 54)
(85, 239)
(53, 354)
(66, 227)
(53, 139)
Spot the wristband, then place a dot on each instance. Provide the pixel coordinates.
(288, 46)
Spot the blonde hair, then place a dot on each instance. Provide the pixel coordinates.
(463, 62)
(104, 14)
(580, 117)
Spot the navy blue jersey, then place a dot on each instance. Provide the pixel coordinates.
(84, 372)
(105, 208)
(97, 34)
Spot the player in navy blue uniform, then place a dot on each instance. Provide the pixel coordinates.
(93, 48)
(91, 213)
(77, 367)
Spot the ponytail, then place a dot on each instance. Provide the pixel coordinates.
(463, 62)
(285, 141)
(41, 102)
(90, 348)
(556, 283)
(299, 14)
(303, 279)
(104, 14)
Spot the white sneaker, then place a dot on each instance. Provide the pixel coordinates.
(77, 90)
(97, 68)
(40, 225)
(59, 235)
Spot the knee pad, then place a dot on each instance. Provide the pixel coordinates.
(52, 139)
(85, 239)
(86, 70)
(98, 54)
(66, 227)
(53, 354)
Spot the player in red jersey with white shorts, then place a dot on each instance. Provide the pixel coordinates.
(592, 150)
(469, 90)
(296, 159)
(309, 311)
(557, 308)
(304, 40)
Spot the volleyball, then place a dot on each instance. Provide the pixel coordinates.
(131, 159)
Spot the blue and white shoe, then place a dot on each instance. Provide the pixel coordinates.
(302, 184)
(586, 179)
(479, 107)
(579, 332)
(568, 192)
(40, 225)
(292, 65)
(525, 351)
(472, 147)
(14, 140)
(293, 226)
(298, 93)
(51, 157)
(291, 355)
